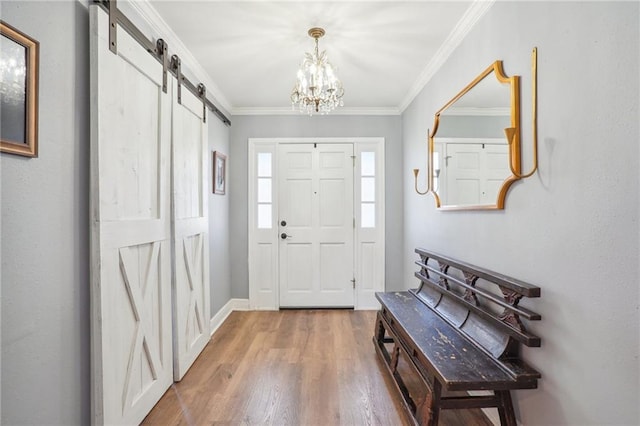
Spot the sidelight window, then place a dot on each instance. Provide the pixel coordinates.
(265, 190)
(368, 189)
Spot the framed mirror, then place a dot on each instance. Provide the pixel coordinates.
(469, 153)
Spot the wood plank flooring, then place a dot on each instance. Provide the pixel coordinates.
(303, 367)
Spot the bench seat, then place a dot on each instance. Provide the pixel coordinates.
(446, 353)
(459, 332)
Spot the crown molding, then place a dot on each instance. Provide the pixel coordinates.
(477, 9)
(337, 111)
(162, 30)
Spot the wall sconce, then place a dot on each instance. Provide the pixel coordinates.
(510, 132)
(415, 178)
(417, 171)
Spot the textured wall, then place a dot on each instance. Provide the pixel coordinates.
(219, 255)
(245, 127)
(572, 228)
(45, 231)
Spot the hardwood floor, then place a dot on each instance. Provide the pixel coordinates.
(303, 367)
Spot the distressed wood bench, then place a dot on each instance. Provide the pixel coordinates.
(460, 330)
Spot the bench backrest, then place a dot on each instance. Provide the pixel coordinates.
(481, 304)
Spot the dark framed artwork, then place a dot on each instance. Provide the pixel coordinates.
(19, 56)
(219, 172)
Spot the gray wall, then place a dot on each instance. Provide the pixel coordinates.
(245, 127)
(219, 260)
(45, 230)
(572, 228)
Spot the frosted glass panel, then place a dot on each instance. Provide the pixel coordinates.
(264, 190)
(368, 163)
(368, 219)
(368, 189)
(264, 216)
(264, 164)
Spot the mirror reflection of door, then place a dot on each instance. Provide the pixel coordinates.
(471, 156)
(472, 173)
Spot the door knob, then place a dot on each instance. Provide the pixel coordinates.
(284, 236)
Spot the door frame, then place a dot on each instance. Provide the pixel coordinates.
(263, 244)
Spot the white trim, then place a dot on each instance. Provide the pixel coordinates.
(337, 111)
(365, 298)
(488, 141)
(266, 141)
(268, 298)
(472, 15)
(491, 413)
(225, 311)
(161, 29)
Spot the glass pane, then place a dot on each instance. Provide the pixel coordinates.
(264, 216)
(368, 189)
(264, 164)
(264, 190)
(368, 163)
(368, 217)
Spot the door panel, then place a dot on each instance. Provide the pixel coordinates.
(316, 202)
(131, 229)
(191, 311)
(463, 174)
(475, 172)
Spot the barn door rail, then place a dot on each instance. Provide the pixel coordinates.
(160, 51)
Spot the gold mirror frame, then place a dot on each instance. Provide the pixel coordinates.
(512, 138)
(512, 134)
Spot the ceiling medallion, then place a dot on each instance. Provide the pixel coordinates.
(317, 88)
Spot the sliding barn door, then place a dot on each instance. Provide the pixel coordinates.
(131, 229)
(190, 225)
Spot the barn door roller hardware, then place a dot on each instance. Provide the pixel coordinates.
(158, 50)
(176, 67)
(202, 90)
(163, 49)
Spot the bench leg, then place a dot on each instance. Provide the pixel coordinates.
(395, 357)
(429, 412)
(379, 331)
(505, 409)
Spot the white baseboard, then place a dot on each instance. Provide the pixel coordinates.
(223, 313)
(491, 413)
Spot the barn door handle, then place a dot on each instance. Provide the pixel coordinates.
(284, 236)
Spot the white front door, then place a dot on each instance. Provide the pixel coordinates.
(131, 229)
(316, 225)
(190, 228)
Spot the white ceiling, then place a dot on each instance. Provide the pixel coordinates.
(384, 51)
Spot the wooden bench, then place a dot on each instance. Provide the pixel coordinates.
(460, 330)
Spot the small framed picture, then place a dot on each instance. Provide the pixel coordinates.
(219, 172)
(19, 57)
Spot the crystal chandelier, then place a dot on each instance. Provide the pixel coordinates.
(317, 88)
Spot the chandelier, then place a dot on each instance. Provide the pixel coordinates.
(317, 88)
